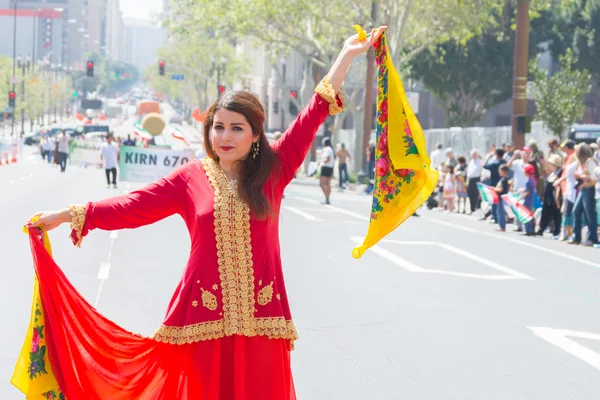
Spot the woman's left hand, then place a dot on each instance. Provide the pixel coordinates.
(355, 47)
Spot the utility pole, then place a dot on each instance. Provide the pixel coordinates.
(368, 107)
(521, 63)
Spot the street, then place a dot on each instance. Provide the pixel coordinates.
(444, 308)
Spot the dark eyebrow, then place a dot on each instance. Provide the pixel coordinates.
(232, 124)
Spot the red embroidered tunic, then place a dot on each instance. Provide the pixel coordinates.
(233, 283)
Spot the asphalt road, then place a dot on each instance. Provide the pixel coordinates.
(445, 308)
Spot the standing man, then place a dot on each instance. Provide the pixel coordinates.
(62, 144)
(110, 159)
(370, 155)
(129, 141)
(343, 156)
(437, 156)
(474, 168)
(492, 163)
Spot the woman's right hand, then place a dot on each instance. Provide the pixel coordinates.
(49, 220)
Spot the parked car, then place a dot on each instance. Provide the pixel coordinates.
(584, 133)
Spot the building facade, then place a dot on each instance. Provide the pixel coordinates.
(143, 38)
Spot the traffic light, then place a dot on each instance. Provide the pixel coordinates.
(11, 98)
(222, 89)
(161, 67)
(293, 94)
(90, 69)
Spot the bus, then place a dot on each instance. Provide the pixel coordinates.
(146, 107)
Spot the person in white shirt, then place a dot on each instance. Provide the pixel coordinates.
(48, 148)
(327, 163)
(62, 141)
(437, 156)
(110, 159)
(517, 164)
(474, 169)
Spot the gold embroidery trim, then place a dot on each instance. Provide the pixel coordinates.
(265, 295)
(272, 327)
(234, 253)
(77, 212)
(209, 300)
(325, 90)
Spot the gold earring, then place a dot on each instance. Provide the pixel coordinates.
(255, 149)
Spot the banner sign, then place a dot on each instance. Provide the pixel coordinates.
(85, 152)
(138, 164)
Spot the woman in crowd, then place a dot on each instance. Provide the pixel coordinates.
(585, 204)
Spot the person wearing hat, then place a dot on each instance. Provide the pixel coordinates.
(528, 197)
(550, 200)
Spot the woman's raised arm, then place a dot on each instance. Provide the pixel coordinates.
(294, 144)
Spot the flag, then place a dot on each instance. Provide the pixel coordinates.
(403, 175)
(488, 194)
(522, 213)
(33, 373)
(179, 136)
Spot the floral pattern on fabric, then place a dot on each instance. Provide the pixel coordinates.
(403, 177)
(54, 395)
(37, 365)
(33, 374)
(389, 181)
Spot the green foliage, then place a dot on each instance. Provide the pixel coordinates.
(559, 98)
(576, 26)
(43, 89)
(472, 78)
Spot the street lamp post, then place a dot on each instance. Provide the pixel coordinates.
(281, 93)
(12, 129)
(22, 65)
(220, 69)
(520, 70)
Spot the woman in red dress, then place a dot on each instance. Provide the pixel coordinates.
(228, 331)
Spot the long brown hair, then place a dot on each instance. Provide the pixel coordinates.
(254, 172)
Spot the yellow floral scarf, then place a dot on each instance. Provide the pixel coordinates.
(403, 176)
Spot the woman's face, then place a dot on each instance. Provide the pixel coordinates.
(231, 136)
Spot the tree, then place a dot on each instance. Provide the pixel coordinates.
(577, 27)
(472, 78)
(559, 98)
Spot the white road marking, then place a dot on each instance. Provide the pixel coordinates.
(104, 270)
(23, 178)
(13, 181)
(507, 272)
(301, 213)
(334, 208)
(521, 242)
(561, 339)
(99, 293)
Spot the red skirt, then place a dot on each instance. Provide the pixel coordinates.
(93, 358)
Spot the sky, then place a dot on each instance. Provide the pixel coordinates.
(141, 9)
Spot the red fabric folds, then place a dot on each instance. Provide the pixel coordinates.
(93, 358)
